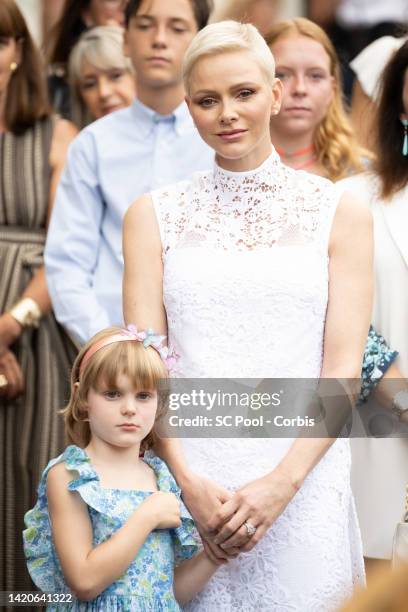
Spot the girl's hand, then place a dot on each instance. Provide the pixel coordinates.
(260, 503)
(204, 498)
(165, 509)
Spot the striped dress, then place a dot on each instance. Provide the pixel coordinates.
(31, 429)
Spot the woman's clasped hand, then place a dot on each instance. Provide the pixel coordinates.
(205, 499)
(255, 505)
(231, 523)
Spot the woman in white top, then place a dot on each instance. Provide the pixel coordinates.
(256, 270)
(382, 465)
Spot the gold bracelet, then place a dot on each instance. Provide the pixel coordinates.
(26, 312)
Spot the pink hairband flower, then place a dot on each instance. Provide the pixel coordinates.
(147, 338)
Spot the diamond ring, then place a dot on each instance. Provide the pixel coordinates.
(3, 381)
(250, 528)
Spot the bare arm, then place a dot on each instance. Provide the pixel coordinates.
(87, 570)
(191, 577)
(347, 319)
(143, 306)
(143, 274)
(347, 322)
(143, 296)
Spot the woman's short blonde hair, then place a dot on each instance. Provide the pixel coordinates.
(143, 366)
(102, 47)
(225, 37)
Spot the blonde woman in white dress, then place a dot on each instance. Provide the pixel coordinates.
(256, 270)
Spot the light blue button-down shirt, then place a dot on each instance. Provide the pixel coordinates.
(110, 164)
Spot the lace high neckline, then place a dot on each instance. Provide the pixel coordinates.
(265, 174)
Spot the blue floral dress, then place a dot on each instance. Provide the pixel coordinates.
(377, 359)
(148, 583)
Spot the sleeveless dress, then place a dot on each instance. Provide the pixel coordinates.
(245, 258)
(31, 431)
(147, 585)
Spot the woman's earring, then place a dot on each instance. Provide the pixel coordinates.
(405, 142)
(13, 66)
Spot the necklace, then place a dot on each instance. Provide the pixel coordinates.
(308, 154)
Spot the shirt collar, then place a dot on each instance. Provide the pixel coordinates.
(148, 118)
(184, 122)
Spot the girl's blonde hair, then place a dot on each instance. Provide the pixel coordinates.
(225, 37)
(143, 366)
(336, 147)
(102, 47)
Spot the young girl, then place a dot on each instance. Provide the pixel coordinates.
(108, 525)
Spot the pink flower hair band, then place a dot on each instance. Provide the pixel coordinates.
(147, 338)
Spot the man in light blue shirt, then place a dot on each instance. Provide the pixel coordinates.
(118, 158)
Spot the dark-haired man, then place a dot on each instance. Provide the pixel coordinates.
(117, 159)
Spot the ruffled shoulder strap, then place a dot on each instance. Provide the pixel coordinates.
(87, 482)
(42, 561)
(76, 460)
(185, 537)
(165, 479)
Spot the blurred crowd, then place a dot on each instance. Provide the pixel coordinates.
(67, 179)
(351, 25)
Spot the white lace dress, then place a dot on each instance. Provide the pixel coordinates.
(245, 291)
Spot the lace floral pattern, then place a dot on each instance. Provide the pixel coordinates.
(225, 248)
(148, 583)
(245, 259)
(258, 209)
